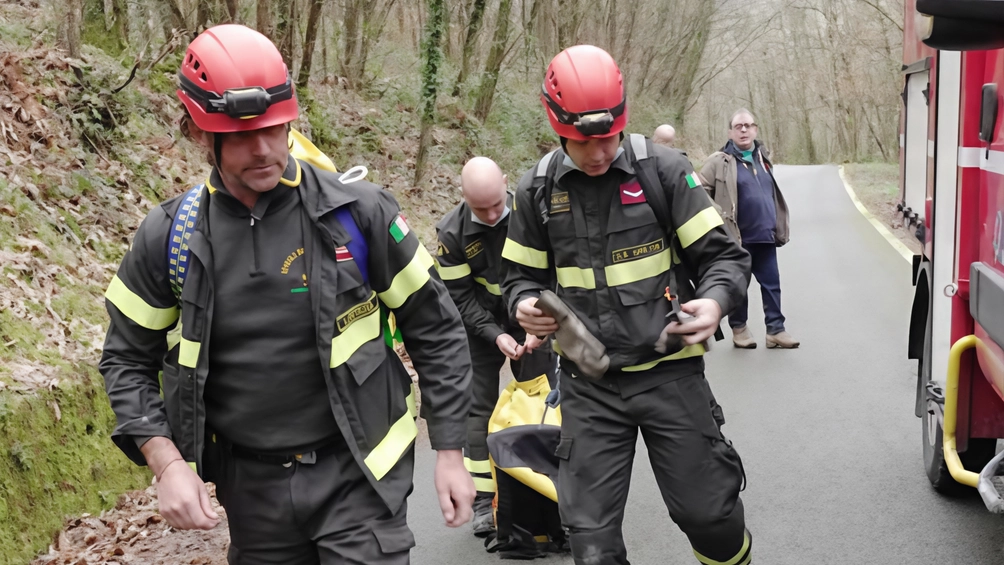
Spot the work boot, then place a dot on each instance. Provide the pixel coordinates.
(782, 340)
(483, 522)
(576, 343)
(743, 339)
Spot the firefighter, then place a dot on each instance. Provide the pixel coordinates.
(471, 237)
(277, 383)
(596, 236)
(664, 135)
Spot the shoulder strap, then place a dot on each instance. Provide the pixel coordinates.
(357, 243)
(640, 154)
(543, 182)
(181, 230)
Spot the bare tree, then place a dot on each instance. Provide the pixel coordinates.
(490, 77)
(470, 39)
(307, 58)
(432, 57)
(233, 10)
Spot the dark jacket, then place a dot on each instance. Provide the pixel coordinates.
(608, 258)
(369, 389)
(469, 260)
(720, 173)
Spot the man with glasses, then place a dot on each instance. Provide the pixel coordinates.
(741, 181)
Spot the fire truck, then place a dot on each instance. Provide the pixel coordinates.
(952, 193)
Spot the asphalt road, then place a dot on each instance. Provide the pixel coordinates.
(831, 447)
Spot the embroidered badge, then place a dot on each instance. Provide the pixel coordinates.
(342, 254)
(399, 229)
(637, 251)
(560, 202)
(474, 248)
(693, 181)
(632, 193)
(357, 312)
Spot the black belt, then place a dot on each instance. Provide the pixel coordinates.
(305, 458)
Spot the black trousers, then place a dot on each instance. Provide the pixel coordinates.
(487, 361)
(698, 471)
(321, 513)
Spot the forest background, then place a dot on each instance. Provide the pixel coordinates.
(409, 88)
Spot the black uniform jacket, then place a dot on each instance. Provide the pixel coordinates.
(607, 257)
(369, 389)
(469, 260)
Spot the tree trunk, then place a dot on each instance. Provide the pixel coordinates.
(489, 80)
(74, 18)
(263, 17)
(233, 7)
(313, 17)
(432, 57)
(204, 15)
(350, 50)
(285, 28)
(473, 27)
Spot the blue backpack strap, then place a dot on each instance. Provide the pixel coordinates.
(359, 250)
(357, 243)
(181, 230)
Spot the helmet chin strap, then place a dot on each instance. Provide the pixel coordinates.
(218, 149)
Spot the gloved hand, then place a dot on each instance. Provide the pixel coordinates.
(576, 343)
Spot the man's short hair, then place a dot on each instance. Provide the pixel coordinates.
(740, 111)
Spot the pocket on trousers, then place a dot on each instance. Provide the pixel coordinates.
(564, 449)
(394, 539)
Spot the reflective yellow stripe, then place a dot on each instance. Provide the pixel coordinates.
(695, 228)
(390, 449)
(574, 277)
(411, 278)
(483, 485)
(193, 466)
(477, 466)
(137, 310)
(524, 255)
(638, 270)
(689, 351)
(188, 355)
(492, 288)
(453, 273)
(362, 330)
(174, 336)
(741, 556)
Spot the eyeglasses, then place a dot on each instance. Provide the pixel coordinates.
(741, 127)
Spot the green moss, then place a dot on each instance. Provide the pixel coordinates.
(51, 468)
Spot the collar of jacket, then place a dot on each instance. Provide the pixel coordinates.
(290, 177)
(759, 150)
(566, 165)
(471, 227)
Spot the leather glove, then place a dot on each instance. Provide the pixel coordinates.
(576, 343)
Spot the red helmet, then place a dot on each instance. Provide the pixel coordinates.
(233, 79)
(583, 94)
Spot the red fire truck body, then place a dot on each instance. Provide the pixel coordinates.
(952, 192)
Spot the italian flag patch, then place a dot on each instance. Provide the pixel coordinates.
(693, 181)
(399, 229)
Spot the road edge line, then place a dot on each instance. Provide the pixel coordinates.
(898, 245)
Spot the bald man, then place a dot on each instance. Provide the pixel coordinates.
(471, 237)
(664, 135)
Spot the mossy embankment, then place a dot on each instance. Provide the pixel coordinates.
(56, 459)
